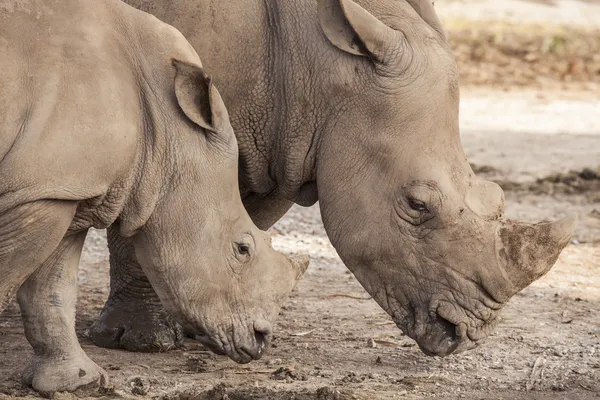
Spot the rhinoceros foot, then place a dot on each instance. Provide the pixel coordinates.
(147, 329)
(59, 373)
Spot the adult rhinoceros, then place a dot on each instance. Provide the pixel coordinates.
(354, 104)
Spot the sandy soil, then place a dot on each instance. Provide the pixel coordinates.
(334, 342)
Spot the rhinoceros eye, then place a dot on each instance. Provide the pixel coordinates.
(417, 205)
(243, 248)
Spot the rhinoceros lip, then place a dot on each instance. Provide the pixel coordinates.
(240, 354)
(444, 345)
(212, 345)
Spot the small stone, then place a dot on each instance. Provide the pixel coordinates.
(195, 364)
(588, 174)
(139, 385)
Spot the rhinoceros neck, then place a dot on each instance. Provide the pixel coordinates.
(162, 130)
(289, 132)
(269, 86)
(263, 57)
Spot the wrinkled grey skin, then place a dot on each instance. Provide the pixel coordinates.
(354, 104)
(100, 127)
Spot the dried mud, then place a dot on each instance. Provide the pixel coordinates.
(585, 182)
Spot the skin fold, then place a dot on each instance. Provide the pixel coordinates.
(353, 104)
(107, 119)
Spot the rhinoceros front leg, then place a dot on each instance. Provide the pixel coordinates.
(29, 233)
(133, 317)
(47, 300)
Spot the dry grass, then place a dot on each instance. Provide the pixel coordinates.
(515, 55)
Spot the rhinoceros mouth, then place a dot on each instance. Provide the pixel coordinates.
(435, 334)
(240, 353)
(435, 337)
(440, 338)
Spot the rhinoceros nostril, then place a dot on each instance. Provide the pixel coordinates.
(261, 340)
(448, 327)
(262, 332)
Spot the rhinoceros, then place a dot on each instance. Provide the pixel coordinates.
(107, 118)
(353, 103)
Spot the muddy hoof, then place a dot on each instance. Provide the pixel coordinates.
(137, 332)
(63, 374)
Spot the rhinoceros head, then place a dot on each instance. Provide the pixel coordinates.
(400, 203)
(212, 268)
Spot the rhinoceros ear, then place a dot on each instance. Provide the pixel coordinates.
(426, 10)
(199, 100)
(354, 30)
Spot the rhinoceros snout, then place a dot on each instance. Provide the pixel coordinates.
(244, 349)
(262, 337)
(439, 338)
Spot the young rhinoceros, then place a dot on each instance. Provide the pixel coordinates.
(100, 126)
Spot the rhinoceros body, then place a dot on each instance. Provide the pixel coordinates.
(108, 119)
(354, 104)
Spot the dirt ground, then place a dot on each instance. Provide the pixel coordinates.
(540, 142)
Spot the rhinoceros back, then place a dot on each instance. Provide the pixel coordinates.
(69, 103)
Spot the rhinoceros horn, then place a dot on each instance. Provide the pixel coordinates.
(486, 199)
(300, 264)
(528, 251)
